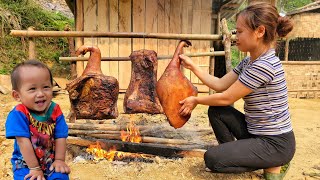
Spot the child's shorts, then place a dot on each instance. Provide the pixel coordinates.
(19, 174)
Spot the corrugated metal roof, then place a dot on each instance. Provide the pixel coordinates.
(312, 7)
(230, 8)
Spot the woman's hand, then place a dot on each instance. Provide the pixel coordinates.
(35, 175)
(60, 166)
(188, 105)
(186, 62)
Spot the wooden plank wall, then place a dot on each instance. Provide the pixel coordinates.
(156, 16)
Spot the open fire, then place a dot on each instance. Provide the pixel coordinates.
(132, 134)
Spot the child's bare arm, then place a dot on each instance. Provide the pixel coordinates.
(30, 158)
(60, 154)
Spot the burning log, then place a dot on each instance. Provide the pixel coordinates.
(147, 148)
(143, 128)
(145, 139)
(84, 132)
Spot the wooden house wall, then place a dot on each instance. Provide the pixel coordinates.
(153, 16)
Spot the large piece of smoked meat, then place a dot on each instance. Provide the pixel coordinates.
(93, 95)
(141, 96)
(172, 87)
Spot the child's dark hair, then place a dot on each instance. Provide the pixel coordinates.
(265, 14)
(15, 75)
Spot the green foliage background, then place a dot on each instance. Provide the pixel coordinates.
(21, 14)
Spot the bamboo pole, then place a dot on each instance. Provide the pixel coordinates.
(227, 44)
(78, 42)
(216, 53)
(32, 46)
(211, 69)
(73, 64)
(286, 50)
(78, 33)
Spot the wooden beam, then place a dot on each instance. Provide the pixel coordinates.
(26, 33)
(163, 57)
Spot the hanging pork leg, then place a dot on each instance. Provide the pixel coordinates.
(93, 95)
(141, 96)
(173, 87)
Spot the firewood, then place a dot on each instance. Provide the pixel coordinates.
(106, 127)
(147, 148)
(95, 127)
(147, 139)
(85, 132)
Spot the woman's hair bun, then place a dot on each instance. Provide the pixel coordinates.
(285, 25)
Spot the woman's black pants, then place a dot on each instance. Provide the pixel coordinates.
(238, 150)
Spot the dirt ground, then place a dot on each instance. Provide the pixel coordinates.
(305, 164)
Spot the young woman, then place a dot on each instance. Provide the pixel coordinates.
(262, 137)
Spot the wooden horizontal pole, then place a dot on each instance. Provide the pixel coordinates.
(216, 53)
(300, 62)
(304, 90)
(26, 33)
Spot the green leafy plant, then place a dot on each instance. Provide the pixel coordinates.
(21, 14)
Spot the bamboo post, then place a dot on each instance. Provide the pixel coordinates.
(211, 68)
(79, 27)
(286, 50)
(227, 44)
(32, 46)
(73, 64)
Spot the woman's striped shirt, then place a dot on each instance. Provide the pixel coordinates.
(266, 108)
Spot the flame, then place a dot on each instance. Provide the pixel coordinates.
(99, 153)
(132, 134)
